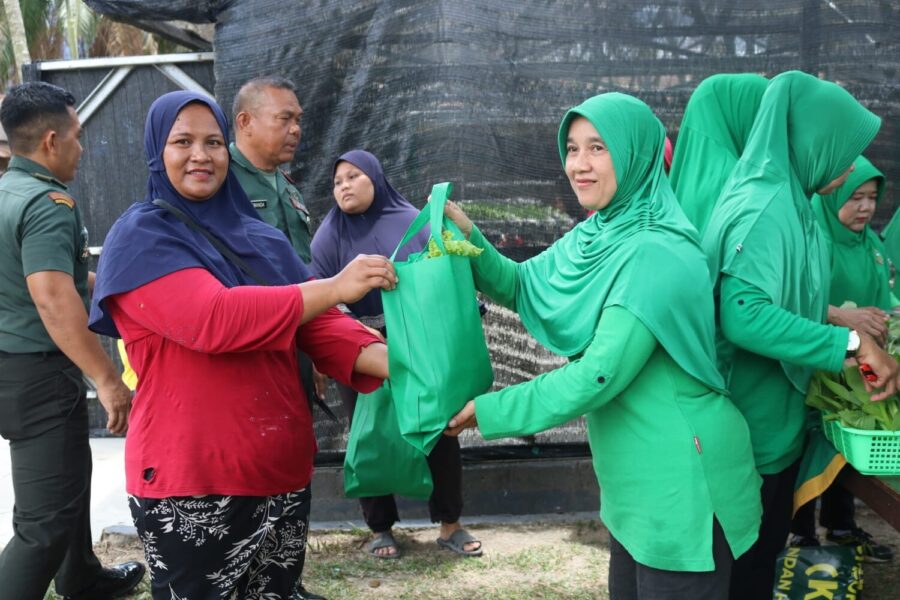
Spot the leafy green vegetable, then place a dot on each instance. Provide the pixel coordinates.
(458, 247)
(843, 395)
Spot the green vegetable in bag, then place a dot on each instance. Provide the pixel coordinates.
(457, 247)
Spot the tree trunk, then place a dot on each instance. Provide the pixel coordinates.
(73, 7)
(17, 34)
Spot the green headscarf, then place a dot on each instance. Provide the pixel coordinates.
(891, 236)
(763, 231)
(639, 252)
(859, 269)
(714, 130)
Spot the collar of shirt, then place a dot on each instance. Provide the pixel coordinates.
(244, 162)
(35, 170)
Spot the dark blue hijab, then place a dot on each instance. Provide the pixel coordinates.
(147, 242)
(341, 237)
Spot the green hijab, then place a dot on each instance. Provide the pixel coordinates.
(859, 270)
(714, 130)
(807, 132)
(639, 252)
(891, 236)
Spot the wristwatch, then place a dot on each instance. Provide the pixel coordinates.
(853, 344)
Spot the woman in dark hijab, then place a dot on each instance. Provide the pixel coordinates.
(212, 304)
(370, 216)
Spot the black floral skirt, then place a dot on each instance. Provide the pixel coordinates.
(223, 547)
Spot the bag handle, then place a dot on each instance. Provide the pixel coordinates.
(440, 193)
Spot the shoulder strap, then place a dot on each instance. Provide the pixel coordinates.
(239, 263)
(216, 242)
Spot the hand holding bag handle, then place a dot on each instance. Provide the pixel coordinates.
(440, 193)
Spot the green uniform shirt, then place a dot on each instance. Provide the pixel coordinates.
(40, 230)
(669, 452)
(757, 335)
(281, 207)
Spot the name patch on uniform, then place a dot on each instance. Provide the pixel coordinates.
(259, 203)
(60, 198)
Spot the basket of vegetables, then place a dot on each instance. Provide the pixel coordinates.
(867, 433)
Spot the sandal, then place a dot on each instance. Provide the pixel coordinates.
(384, 539)
(457, 543)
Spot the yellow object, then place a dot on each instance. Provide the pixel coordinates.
(129, 377)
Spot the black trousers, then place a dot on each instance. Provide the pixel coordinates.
(43, 415)
(753, 574)
(630, 580)
(837, 512)
(211, 547)
(445, 463)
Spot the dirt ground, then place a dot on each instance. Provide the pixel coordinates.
(565, 561)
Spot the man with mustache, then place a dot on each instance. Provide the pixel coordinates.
(267, 132)
(267, 116)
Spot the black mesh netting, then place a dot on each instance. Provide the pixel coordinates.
(472, 91)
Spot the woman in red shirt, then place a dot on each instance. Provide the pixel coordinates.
(212, 304)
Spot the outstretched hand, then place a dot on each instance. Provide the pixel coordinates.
(363, 274)
(453, 212)
(464, 419)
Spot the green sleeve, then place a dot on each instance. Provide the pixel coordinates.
(751, 321)
(495, 275)
(621, 347)
(48, 237)
(893, 300)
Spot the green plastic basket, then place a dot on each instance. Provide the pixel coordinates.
(870, 452)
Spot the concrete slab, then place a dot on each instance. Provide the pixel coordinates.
(494, 490)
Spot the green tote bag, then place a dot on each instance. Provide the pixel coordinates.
(378, 461)
(436, 350)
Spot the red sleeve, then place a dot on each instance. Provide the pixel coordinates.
(193, 309)
(333, 341)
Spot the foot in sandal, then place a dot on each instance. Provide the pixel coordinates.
(383, 545)
(455, 538)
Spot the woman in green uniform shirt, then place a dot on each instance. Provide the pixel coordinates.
(770, 270)
(626, 295)
(891, 236)
(859, 274)
(711, 139)
(859, 268)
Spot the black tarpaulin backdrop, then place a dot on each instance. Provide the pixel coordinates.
(472, 91)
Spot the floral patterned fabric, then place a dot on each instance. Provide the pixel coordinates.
(205, 547)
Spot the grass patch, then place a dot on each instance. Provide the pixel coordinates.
(538, 561)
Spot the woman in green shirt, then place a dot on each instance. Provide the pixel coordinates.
(859, 268)
(859, 274)
(626, 296)
(711, 139)
(770, 270)
(891, 236)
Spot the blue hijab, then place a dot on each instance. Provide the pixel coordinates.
(341, 237)
(147, 242)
